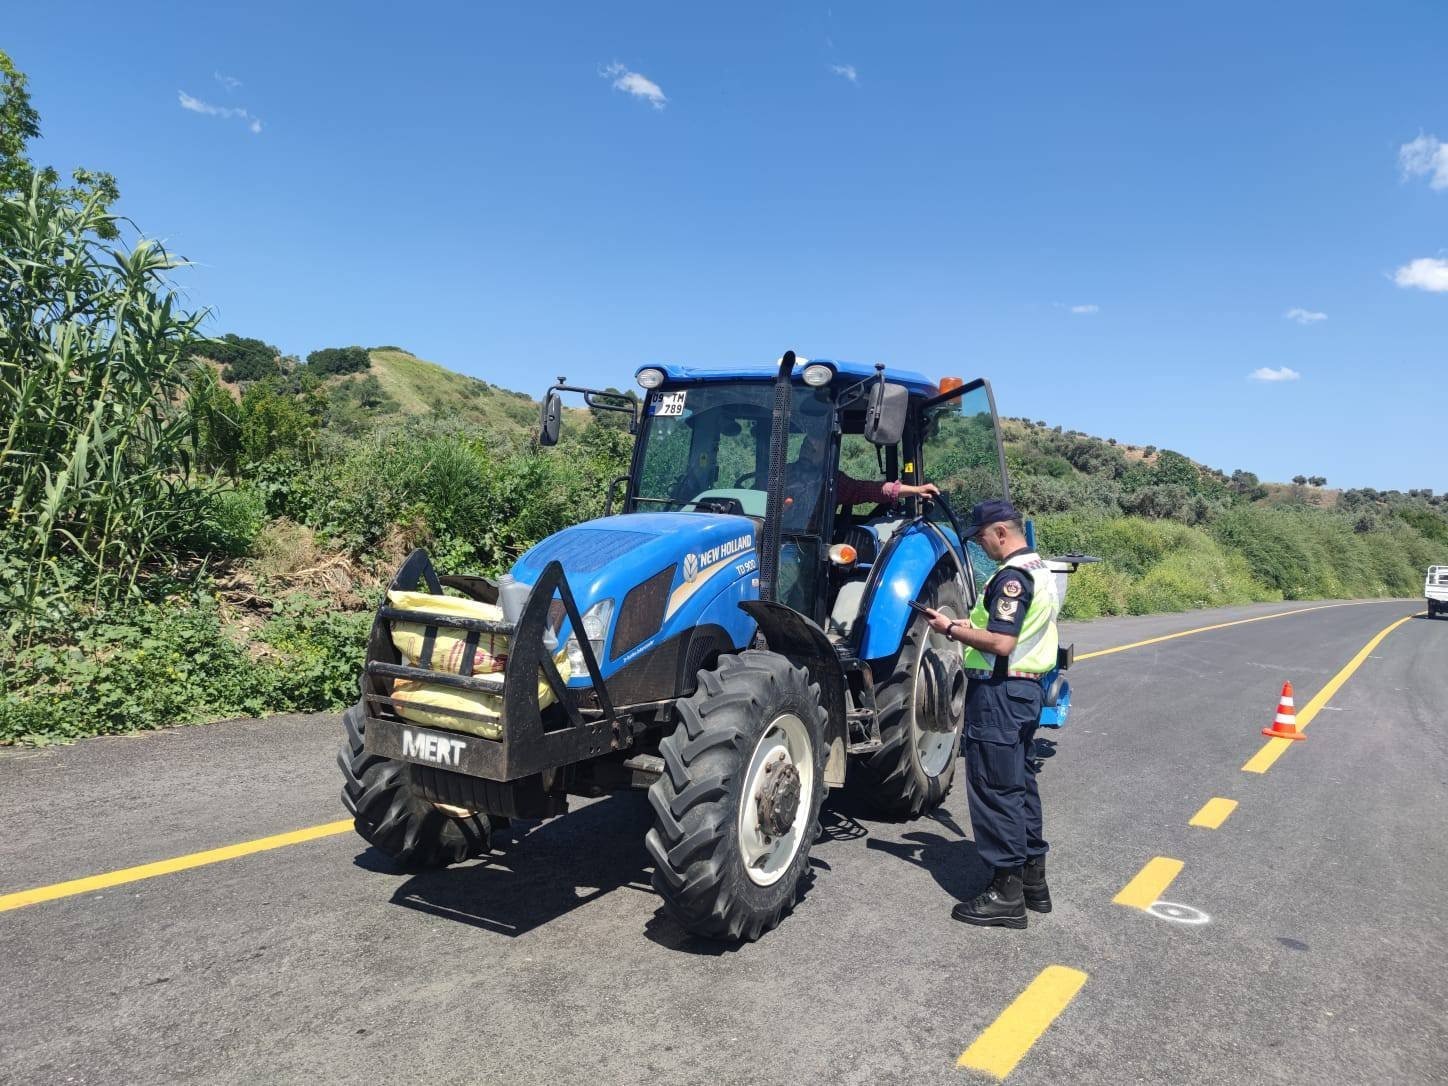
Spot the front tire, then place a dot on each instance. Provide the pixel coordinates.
(737, 806)
(392, 815)
(913, 770)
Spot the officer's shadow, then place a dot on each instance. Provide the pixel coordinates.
(951, 860)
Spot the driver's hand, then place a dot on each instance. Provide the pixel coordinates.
(928, 490)
(938, 622)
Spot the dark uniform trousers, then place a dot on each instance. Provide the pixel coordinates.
(1001, 716)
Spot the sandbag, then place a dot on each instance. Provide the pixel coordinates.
(440, 706)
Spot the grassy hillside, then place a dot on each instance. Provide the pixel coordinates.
(399, 386)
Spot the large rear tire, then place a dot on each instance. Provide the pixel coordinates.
(913, 770)
(737, 806)
(391, 813)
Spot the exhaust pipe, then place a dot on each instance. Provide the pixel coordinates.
(774, 492)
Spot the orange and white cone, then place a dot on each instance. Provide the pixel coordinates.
(1285, 724)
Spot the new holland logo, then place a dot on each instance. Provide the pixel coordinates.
(691, 566)
(430, 748)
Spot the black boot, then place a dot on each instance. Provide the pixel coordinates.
(1001, 905)
(1033, 885)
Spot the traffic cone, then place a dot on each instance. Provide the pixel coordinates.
(1285, 725)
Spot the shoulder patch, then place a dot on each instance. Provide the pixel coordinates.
(1011, 587)
(1006, 609)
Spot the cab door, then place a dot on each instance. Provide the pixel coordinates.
(961, 452)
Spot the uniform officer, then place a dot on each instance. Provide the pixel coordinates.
(1010, 642)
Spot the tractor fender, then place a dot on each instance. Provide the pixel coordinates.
(805, 645)
(909, 561)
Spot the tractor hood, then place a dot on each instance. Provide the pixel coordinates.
(606, 558)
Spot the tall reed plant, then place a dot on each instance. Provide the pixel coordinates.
(96, 442)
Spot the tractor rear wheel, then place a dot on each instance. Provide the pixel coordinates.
(737, 806)
(391, 813)
(922, 708)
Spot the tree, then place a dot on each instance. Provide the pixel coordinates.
(1317, 480)
(330, 360)
(1299, 480)
(19, 124)
(1174, 469)
(242, 358)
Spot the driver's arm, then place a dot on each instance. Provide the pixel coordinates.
(864, 492)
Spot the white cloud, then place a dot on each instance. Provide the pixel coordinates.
(1267, 374)
(1305, 316)
(640, 86)
(846, 71)
(1425, 156)
(196, 105)
(226, 81)
(1085, 310)
(1425, 273)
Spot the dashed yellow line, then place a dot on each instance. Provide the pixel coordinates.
(1273, 748)
(1002, 1044)
(1150, 883)
(167, 867)
(1214, 812)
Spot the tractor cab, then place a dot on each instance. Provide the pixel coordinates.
(704, 446)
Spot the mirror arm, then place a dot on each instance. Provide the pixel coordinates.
(627, 406)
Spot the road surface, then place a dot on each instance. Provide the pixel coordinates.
(1304, 940)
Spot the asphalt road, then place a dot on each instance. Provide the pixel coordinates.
(1323, 955)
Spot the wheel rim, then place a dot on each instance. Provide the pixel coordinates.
(767, 853)
(933, 750)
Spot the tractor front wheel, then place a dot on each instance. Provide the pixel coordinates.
(737, 806)
(393, 815)
(921, 707)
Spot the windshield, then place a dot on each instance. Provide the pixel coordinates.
(712, 441)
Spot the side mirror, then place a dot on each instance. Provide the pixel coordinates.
(552, 419)
(885, 413)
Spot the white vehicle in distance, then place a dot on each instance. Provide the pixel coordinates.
(1435, 590)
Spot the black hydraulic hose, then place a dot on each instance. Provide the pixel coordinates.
(774, 491)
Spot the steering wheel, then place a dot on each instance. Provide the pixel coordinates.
(739, 482)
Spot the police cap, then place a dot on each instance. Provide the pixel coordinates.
(990, 511)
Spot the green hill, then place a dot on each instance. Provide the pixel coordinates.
(399, 385)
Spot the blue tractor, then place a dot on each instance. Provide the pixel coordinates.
(734, 638)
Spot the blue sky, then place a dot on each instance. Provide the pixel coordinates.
(1109, 210)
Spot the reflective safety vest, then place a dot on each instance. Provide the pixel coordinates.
(1035, 651)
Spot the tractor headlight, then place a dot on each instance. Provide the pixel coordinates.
(650, 378)
(595, 629)
(817, 375)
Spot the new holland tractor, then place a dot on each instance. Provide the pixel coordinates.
(732, 638)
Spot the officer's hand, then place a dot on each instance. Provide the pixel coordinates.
(938, 622)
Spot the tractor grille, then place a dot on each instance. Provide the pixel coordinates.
(642, 612)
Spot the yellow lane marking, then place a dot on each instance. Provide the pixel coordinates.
(1219, 626)
(167, 867)
(1273, 748)
(1000, 1047)
(1263, 759)
(1215, 811)
(311, 833)
(1150, 883)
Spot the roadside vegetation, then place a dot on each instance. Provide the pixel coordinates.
(194, 526)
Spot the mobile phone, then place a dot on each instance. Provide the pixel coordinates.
(920, 607)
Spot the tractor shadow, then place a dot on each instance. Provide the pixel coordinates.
(538, 871)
